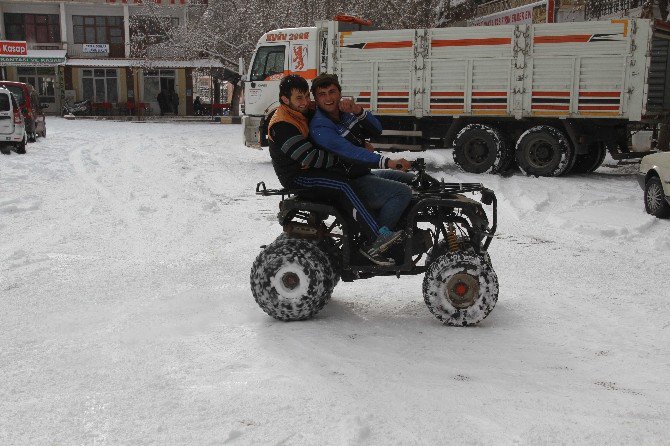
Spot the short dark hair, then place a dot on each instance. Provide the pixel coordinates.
(325, 80)
(290, 83)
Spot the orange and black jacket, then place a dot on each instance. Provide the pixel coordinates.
(290, 148)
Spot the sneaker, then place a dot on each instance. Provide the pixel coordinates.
(381, 244)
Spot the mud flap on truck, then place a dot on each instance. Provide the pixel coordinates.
(252, 132)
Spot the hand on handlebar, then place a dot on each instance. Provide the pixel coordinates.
(399, 164)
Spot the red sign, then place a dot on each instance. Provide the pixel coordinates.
(13, 48)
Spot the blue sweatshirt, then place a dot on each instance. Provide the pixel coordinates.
(332, 136)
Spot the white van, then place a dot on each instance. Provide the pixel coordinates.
(12, 126)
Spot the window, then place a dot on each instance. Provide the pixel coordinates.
(17, 92)
(269, 61)
(38, 28)
(42, 78)
(100, 85)
(4, 102)
(97, 29)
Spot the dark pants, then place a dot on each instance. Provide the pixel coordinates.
(334, 187)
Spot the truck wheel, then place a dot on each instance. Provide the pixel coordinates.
(460, 288)
(654, 199)
(291, 280)
(589, 162)
(443, 248)
(327, 246)
(544, 151)
(479, 148)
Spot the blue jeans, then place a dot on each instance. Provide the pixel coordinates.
(385, 192)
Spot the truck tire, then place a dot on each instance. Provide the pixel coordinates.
(544, 151)
(479, 148)
(291, 280)
(654, 198)
(327, 246)
(460, 288)
(589, 162)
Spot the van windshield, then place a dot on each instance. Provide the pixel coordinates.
(18, 92)
(4, 102)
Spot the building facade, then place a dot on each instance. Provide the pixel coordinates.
(85, 49)
(510, 12)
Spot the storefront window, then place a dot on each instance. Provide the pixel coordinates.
(100, 85)
(43, 79)
(97, 29)
(38, 28)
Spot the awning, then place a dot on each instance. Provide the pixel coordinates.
(143, 63)
(35, 58)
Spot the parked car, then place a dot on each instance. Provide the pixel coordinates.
(654, 178)
(32, 108)
(12, 124)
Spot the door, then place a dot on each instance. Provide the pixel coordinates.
(261, 92)
(156, 81)
(43, 79)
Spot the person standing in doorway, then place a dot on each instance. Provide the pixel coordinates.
(175, 102)
(162, 101)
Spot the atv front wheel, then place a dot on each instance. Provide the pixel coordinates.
(460, 288)
(291, 279)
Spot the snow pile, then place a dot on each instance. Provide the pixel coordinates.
(127, 316)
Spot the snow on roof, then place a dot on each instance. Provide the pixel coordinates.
(115, 63)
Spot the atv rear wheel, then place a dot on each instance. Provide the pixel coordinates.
(291, 279)
(328, 247)
(460, 288)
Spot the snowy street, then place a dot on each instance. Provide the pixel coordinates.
(126, 315)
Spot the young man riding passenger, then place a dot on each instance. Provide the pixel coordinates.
(299, 164)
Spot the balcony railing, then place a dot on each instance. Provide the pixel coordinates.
(46, 46)
(499, 5)
(599, 8)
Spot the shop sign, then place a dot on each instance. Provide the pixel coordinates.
(95, 48)
(13, 48)
(33, 61)
(522, 14)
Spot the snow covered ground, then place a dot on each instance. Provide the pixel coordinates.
(126, 315)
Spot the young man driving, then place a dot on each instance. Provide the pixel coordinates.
(341, 127)
(299, 164)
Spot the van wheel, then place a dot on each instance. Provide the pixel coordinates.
(654, 199)
(44, 133)
(5, 150)
(21, 147)
(479, 148)
(544, 151)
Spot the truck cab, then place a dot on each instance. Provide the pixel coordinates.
(278, 53)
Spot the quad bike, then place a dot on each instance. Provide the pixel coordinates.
(447, 235)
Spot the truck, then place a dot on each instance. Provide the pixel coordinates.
(552, 98)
